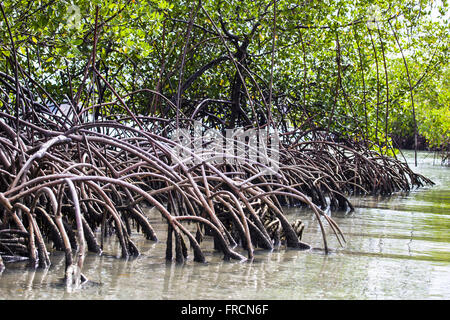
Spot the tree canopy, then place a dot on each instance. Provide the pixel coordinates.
(371, 69)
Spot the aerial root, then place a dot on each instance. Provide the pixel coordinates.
(73, 188)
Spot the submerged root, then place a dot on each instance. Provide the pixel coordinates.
(75, 187)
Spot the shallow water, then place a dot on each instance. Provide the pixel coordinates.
(397, 248)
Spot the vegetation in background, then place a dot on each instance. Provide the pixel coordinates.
(354, 67)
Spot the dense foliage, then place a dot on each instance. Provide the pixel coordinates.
(365, 68)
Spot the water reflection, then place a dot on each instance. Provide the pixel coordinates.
(397, 248)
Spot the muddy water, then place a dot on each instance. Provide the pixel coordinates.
(397, 248)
